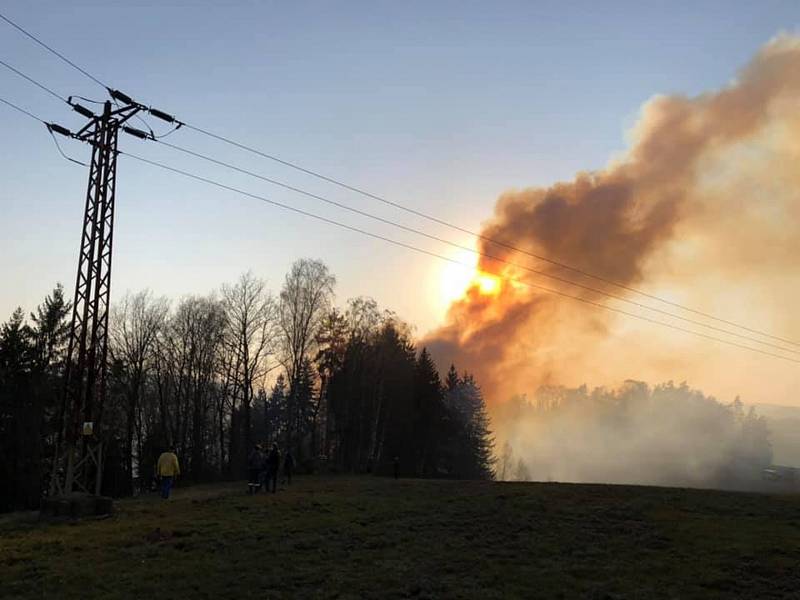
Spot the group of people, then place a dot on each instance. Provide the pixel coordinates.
(263, 468)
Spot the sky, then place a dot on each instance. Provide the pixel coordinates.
(439, 106)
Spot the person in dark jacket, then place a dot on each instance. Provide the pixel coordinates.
(255, 463)
(273, 463)
(288, 466)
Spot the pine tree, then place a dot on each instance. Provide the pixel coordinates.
(471, 444)
(16, 345)
(49, 336)
(392, 401)
(302, 410)
(480, 444)
(20, 416)
(452, 380)
(332, 343)
(275, 410)
(430, 414)
(50, 331)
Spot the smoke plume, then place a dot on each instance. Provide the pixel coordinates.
(665, 435)
(705, 197)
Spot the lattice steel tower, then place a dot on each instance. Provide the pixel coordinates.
(79, 457)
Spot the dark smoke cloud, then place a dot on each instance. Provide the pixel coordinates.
(615, 223)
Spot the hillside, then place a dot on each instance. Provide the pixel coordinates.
(371, 537)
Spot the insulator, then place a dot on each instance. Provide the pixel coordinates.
(162, 115)
(136, 132)
(117, 95)
(59, 129)
(82, 110)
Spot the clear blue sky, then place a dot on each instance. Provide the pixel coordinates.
(440, 105)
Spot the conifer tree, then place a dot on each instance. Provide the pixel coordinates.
(275, 410)
(430, 414)
(50, 330)
(471, 444)
(452, 380)
(20, 415)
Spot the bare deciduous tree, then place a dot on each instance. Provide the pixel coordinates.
(251, 336)
(305, 300)
(135, 324)
(187, 365)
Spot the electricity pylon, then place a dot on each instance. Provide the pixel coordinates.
(78, 465)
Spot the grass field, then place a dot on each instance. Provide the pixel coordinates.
(371, 537)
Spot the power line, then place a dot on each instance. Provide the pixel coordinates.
(33, 81)
(69, 102)
(480, 236)
(45, 46)
(22, 110)
(46, 124)
(439, 221)
(440, 256)
(101, 102)
(61, 152)
(469, 249)
(422, 250)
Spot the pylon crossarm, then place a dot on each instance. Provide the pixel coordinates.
(116, 117)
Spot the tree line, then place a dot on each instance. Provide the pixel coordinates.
(344, 388)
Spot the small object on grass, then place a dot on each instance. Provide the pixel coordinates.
(157, 535)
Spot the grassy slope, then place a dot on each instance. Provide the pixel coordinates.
(367, 537)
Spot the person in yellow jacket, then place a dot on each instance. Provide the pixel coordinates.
(167, 470)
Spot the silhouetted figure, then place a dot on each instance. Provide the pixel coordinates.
(273, 463)
(167, 469)
(396, 465)
(288, 466)
(255, 464)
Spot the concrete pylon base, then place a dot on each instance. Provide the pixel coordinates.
(77, 506)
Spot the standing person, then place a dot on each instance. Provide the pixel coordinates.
(273, 463)
(288, 466)
(255, 462)
(396, 464)
(167, 470)
(263, 468)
